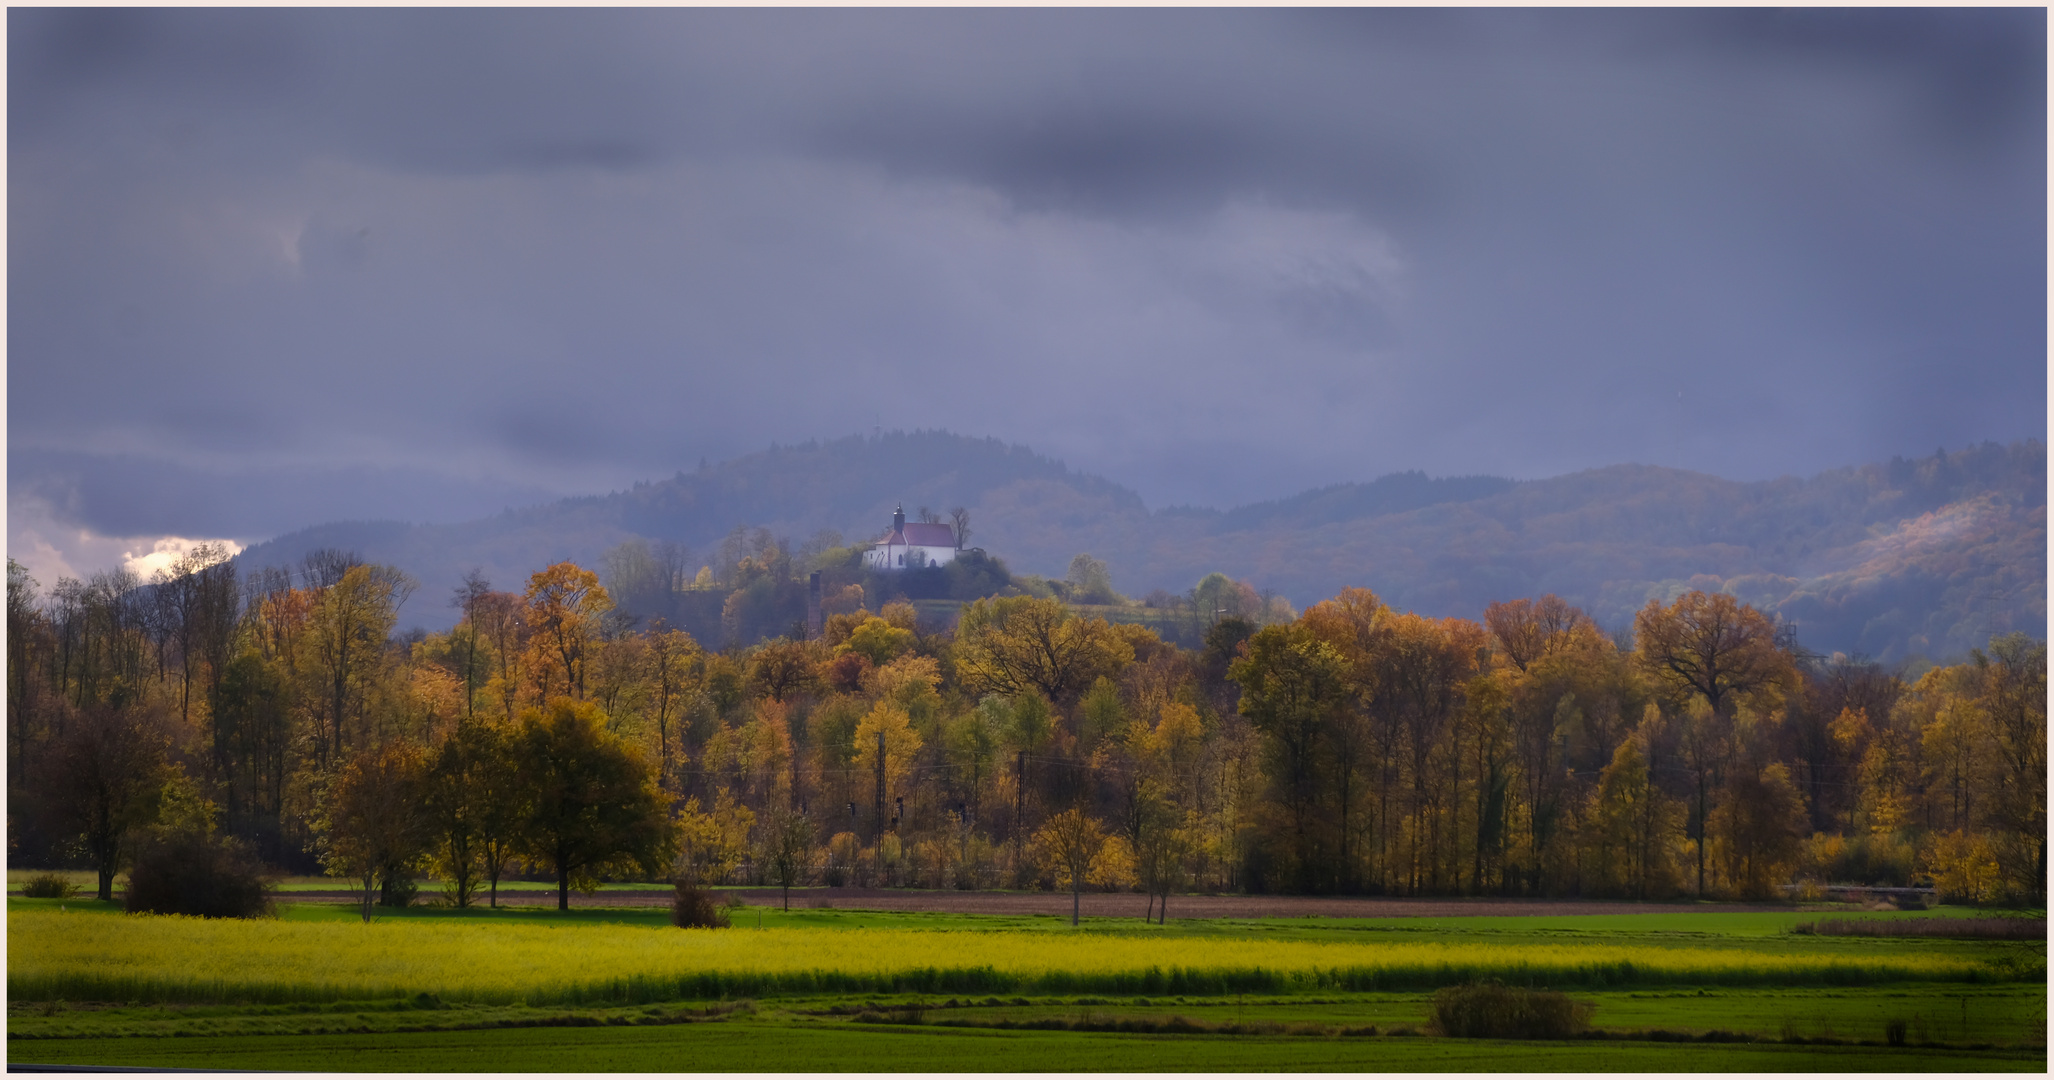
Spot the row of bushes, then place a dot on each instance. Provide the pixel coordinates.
(184, 873)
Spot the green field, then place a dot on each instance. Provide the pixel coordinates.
(434, 989)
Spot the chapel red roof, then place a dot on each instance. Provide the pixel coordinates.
(920, 534)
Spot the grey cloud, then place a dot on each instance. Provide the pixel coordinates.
(1216, 255)
(128, 496)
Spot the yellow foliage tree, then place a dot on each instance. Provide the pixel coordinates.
(769, 740)
(1065, 846)
(1964, 867)
(878, 640)
(1113, 868)
(1012, 644)
(565, 603)
(712, 843)
(901, 743)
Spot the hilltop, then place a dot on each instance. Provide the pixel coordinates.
(1908, 557)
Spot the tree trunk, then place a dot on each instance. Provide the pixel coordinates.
(1076, 900)
(369, 879)
(106, 883)
(563, 891)
(1701, 831)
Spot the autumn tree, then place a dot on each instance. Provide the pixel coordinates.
(886, 727)
(676, 668)
(1821, 761)
(2014, 682)
(374, 826)
(1355, 623)
(1712, 647)
(712, 843)
(1159, 852)
(564, 606)
(1566, 711)
(1528, 630)
(1066, 843)
(500, 622)
(1010, 644)
(1955, 747)
(592, 803)
(473, 802)
(1632, 822)
(1292, 686)
(1424, 667)
(765, 744)
(781, 670)
(791, 842)
(350, 619)
(877, 641)
(1760, 823)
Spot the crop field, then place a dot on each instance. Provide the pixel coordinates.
(430, 989)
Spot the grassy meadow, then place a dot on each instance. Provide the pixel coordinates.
(435, 989)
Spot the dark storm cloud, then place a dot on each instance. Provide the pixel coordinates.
(1218, 255)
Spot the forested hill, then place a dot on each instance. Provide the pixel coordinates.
(1929, 556)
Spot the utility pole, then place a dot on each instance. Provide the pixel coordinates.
(1019, 805)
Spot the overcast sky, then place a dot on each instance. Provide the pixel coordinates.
(272, 268)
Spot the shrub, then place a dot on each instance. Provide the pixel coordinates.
(1493, 1011)
(397, 890)
(694, 906)
(191, 873)
(49, 887)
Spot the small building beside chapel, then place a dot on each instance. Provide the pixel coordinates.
(911, 545)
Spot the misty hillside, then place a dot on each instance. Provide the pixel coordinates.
(1909, 557)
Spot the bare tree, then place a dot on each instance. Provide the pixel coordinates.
(200, 600)
(675, 560)
(959, 523)
(467, 598)
(324, 567)
(28, 643)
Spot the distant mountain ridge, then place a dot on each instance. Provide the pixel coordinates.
(1908, 557)
(1392, 494)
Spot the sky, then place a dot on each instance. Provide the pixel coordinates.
(270, 268)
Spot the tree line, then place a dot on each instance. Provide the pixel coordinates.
(1352, 748)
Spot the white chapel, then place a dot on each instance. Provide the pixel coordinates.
(911, 545)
